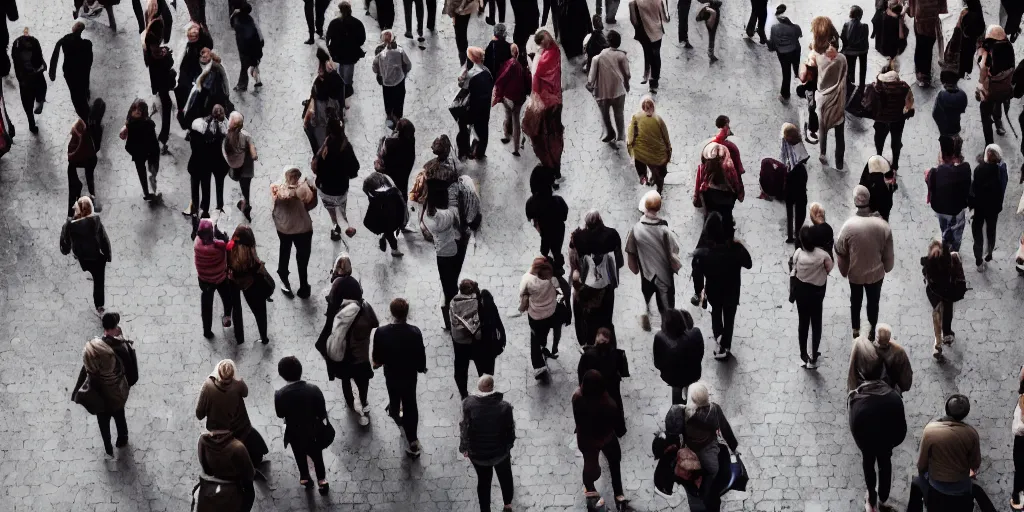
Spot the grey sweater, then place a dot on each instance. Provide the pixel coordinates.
(864, 252)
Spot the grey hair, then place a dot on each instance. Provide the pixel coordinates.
(485, 384)
(592, 219)
(864, 359)
(883, 333)
(225, 370)
(993, 154)
(697, 396)
(236, 120)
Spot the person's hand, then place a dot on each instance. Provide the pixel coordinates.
(465, 454)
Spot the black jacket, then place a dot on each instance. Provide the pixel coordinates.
(602, 240)
(77, 58)
(720, 267)
(345, 38)
(881, 193)
(548, 210)
(27, 57)
(302, 406)
(949, 106)
(607, 360)
(877, 417)
(247, 37)
(498, 51)
(679, 360)
(488, 429)
(949, 187)
(87, 238)
(988, 188)
(481, 88)
(399, 347)
(9, 10)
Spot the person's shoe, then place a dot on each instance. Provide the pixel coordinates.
(687, 45)
(99, 311)
(937, 351)
(39, 107)
(336, 233)
(383, 245)
(389, 124)
(988, 257)
(364, 420)
(645, 322)
(868, 507)
(713, 59)
(812, 364)
(264, 340)
(790, 240)
(489, 20)
(609, 138)
(420, 38)
(247, 212)
(823, 159)
(96, 205)
(308, 41)
(981, 267)
(286, 287)
(949, 338)
(107, 447)
(303, 292)
(366, 409)
(723, 354)
(258, 84)
(239, 341)
(539, 373)
(121, 442)
(515, 153)
(505, 140)
(414, 449)
(34, 129)
(350, 232)
(225, 321)
(871, 334)
(1000, 131)
(552, 355)
(324, 488)
(164, 150)
(395, 253)
(856, 333)
(239, 88)
(762, 41)
(802, 363)
(408, 34)
(208, 335)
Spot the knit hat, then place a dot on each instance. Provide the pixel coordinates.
(861, 196)
(500, 30)
(878, 164)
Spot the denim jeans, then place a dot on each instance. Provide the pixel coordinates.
(952, 227)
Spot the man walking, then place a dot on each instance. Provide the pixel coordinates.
(609, 82)
(651, 248)
(398, 347)
(30, 68)
(487, 433)
(77, 67)
(391, 65)
(315, 20)
(864, 254)
(758, 15)
(950, 455)
(950, 104)
(785, 41)
(928, 30)
(949, 188)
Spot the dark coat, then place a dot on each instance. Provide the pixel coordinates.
(27, 57)
(881, 192)
(247, 37)
(399, 348)
(345, 38)
(488, 429)
(480, 88)
(679, 360)
(720, 267)
(604, 358)
(949, 187)
(87, 239)
(497, 52)
(141, 142)
(877, 418)
(190, 68)
(77, 58)
(223, 456)
(302, 406)
(988, 188)
(9, 10)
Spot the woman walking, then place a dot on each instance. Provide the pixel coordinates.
(222, 404)
(211, 88)
(511, 88)
(397, 155)
(986, 199)
(304, 411)
(889, 29)
(648, 143)
(386, 212)
(439, 221)
(703, 421)
(161, 74)
(794, 156)
(538, 297)
(86, 137)
(249, 277)
(678, 352)
(198, 37)
(648, 18)
(240, 154)
(716, 273)
(830, 97)
(478, 81)
(140, 141)
(249, 40)
(821, 231)
(105, 370)
(542, 121)
(811, 266)
(944, 285)
(334, 165)
(211, 261)
(292, 198)
(876, 177)
(85, 236)
(605, 357)
(598, 428)
(206, 138)
(972, 27)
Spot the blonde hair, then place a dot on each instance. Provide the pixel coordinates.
(83, 207)
(225, 370)
(342, 265)
(788, 129)
(236, 121)
(883, 333)
(817, 213)
(647, 104)
(475, 54)
(652, 201)
(697, 396)
(993, 154)
(514, 50)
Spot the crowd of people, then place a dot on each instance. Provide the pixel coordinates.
(443, 205)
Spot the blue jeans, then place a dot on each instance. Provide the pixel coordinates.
(952, 227)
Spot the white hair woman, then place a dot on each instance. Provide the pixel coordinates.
(85, 236)
(649, 145)
(104, 370)
(986, 199)
(222, 405)
(293, 197)
(240, 154)
(704, 419)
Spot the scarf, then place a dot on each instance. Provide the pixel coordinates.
(510, 83)
(793, 154)
(547, 79)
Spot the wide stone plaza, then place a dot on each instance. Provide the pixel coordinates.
(791, 423)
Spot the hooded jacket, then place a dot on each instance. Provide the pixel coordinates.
(87, 239)
(222, 455)
(487, 429)
(222, 405)
(895, 98)
(878, 421)
(864, 249)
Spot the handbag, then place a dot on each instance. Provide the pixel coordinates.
(312, 203)
(459, 107)
(263, 279)
(855, 104)
(323, 434)
(621, 362)
(738, 476)
(88, 394)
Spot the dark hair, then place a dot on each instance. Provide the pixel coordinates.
(468, 286)
(856, 12)
(897, 9)
(596, 21)
(958, 407)
(78, 27)
(110, 320)
(246, 8)
(405, 129)
(714, 229)
(592, 387)
(614, 39)
(806, 239)
(322, 56)
(345, 8)
(721, 121)
(947, 146)
(140, 105)
(289, 368)
(780, 9)
(542, 180)
(400, 309)
(672, 323)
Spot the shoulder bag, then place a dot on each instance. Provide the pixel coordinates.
(88, 394)
(323, 434)
(459, 107)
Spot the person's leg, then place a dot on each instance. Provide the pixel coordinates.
(321, 10)
(165, 116)
(979, 495)
(204, 193)
(28, 97)
(803, 324)
(874, 294)
(709, 463)
(394, 386)
(462, 139)
(617, 108)
(957, 230)
(346, 391)
(641, 171)
(517, 132)
(537, 329)
(501, 11)
(870, 477)
(786, 77)
(90, 176)
(884, 474)
(684, 20)
(762, 17)
(218, 181)
(482, 135)
(506, 125)
(388, 236)
(840, 145)
(432, 13)
(916, 501)
(462, 356)
(647, 289)
(986, 107)
(484, 474)
(225, 289)
(74, 188)
(881, 132)
(299, 453)
(284, 255)
(728, 323)
(258, 305)
(104, 422)
(679, 395)
(977, 230)
(856, 299)
(363, 386)
(206, 304)
(236, 314)
(816, 311)
(98, 271)
(751, 20)
(448, 272)
(461, 37)
(140, 169)
(308, 8)
(504, 471)
(716, 321)
(153, 165)
(923, 55)
(711, 42)
(605, 107)
(990, 233)
(303, 248)
(243, 183)
(613, 452)
(545, 9)
(864, 68)
(122, 427)
(1018, 468)
(410, 411)
(318, 463)
(896, 129)
(655, 63)
(139, 16)
(790, 207)
(947, 318)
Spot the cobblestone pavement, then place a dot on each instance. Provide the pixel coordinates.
(792, 424)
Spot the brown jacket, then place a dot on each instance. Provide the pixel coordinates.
(223, 406)
(898, 372)
(224, 457)
(949, 450)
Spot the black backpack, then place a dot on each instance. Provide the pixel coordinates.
(492, 330)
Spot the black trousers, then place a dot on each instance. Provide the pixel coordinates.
(592, 466)
(32, 89)
(652, 59)
(165, 115)
(153, 165)
(788, 61)
(589, 321)
(303, 243)
(315, 11)
(362, 386)
(484, 474)
(684, 20)
(448, 269)
(852, 61)
(539, 338)
(257, 304)
(991, 112)
(119, 421)
(432, 13)
(394, 101)
(874, 293)
(722, 202)
(923, 494)
(501, 9)
(464, 353)
(983, 222)
(758, 15)
(245, 62)
(461, 36)
(75, 184)
(923, 55)
(551, 238)
(479, 125)
(301, 452)
(402, 397)
(139, 15)
(796, 211)
(664, 293)
(883, 458)
(224, 289)
(1018, 466)
(723, 319)
(200, 185)
(882, 130)
(98, 269)
(79, 89)
(408, 16)
(809, 304)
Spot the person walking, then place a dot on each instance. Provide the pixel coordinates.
(608, 81)
(30, 69)
(855, 45)
(950, 454)
(77, 65)
(461, 11)
(498, 50)
(864, 254)
(986, 201)
(548, 213)
(408, 5)
(159, 61)
(141, 142)
(106, 369)
(944, 284)
(927, 31)
(304, 411)
(334, 164)
(538, 296)
(996, 64)
(810, 266)
(880, 180)
(439, 221)
(821, 231)
(250, 45)
(878, 424)
(224, 458)
(478, 81)
(222, 404)
(249, 279)
(595, 257)
(397, 154)
(386, 213)
(610, 361)
(718, 184)
(85, 236)
(468, 343)
(542, 121)
(701, 422)
(651, 248)
(678, 352)
(784, 40)
(598, 426)
(971, 23)
(197, 38)
(511, 88)
(716, 274)
(794, 156)
(345, 38)
(889, 28)
(949, 189)
(240, 154)
(315, 11)
(894, 102)
(210, 250)
(86, 137)
(292, 198)
(211, 88)
(830, 97)
(648, 18)
(391, 65)
(595, 42)
(206, 138)
(527, 16)
(398, 347)
(487, 433)
(758, 16)
(648, 143)
(950, 104)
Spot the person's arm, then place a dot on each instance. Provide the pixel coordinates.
(923, 452)
(464, 431)
(745, 260)
(277, 405)
(510, 427)
(592, 76)
(420, 352)
(618, 250)
(909, 104)
(320, 405)
(524, 293)
(252, 150)
(841, 260)
(203, 404)
(906, 379)
(87, 59)
(975, 453)
(828, 264)
(104, 241)
(888, 258)
(726, 429)
(245, 388)
(634, 264)
(12, 10)
(55, 58)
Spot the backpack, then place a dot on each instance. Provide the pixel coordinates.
(467, 326)
(131, 365)
(344, 319)
(491, 328)
(1000, 87)
(600, 271)
(958, 286)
